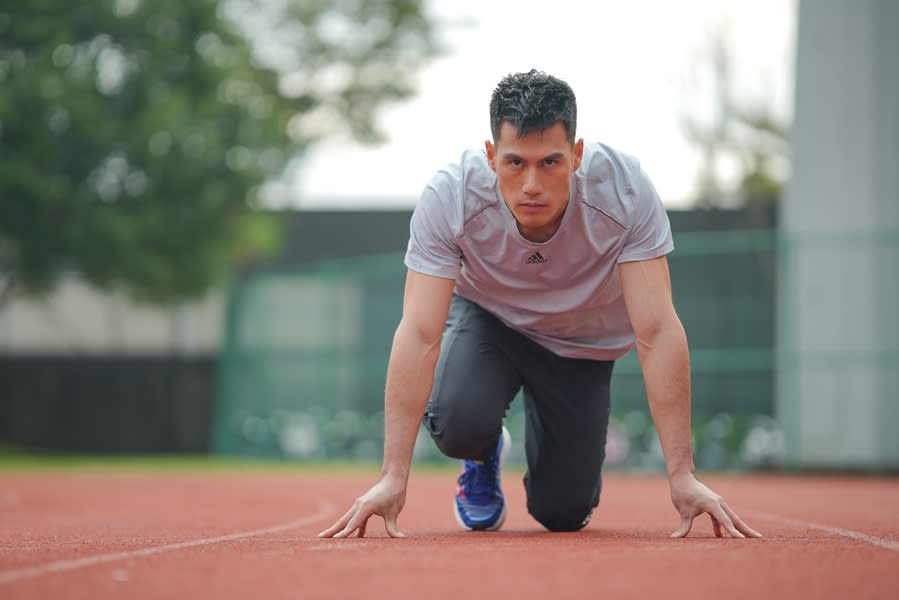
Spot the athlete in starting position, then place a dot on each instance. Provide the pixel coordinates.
(535, 265)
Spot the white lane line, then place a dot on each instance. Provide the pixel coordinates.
(13, 575)
(848, 533)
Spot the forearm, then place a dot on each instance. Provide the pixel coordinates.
(410, 375)
(665, 362)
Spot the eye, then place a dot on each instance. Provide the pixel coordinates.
(549, 161)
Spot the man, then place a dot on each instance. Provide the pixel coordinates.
(535, 265)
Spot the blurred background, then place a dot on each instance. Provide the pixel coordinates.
(204, 206)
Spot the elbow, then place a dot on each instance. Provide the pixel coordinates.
(646, 339)
(419, 335)
(658, 332)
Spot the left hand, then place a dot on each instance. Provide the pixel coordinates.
(385, 499)
(691, 498)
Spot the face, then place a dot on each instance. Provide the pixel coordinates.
(534, 174)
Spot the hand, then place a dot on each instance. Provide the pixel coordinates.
(691, 498)
(385, 499)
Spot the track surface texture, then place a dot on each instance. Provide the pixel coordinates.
(247, 535)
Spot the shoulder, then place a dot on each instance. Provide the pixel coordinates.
(611, 182)
(462, 189)
(604, 163)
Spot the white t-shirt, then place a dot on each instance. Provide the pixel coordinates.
(564, 293)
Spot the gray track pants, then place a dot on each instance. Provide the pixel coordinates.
(482, 365)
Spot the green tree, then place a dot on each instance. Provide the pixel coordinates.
(135, 135)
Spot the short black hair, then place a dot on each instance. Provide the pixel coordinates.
(533, 101)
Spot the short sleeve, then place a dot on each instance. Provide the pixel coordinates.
(649, 235)
(432, 248)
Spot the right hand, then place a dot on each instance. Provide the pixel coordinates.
(385, 499)
(691, 498)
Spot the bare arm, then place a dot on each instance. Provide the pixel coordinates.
(410, 371)
(665, 362)
(410, 375)
(664, 358)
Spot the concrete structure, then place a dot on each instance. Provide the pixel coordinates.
(838, 389)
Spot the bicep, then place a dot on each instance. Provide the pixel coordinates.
(647, 294)
(426, 302)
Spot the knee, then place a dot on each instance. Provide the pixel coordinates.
(461, 439)
(561, 518)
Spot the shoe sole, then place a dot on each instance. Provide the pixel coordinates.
(503, 456)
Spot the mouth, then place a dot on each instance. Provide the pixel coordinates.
(531, 207)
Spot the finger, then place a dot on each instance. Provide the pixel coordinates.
(361, 532)
(716, 525)
(392, 530)
(685, 524)
(358, 520)
(340, 524)
(719, 514)
(740, 524)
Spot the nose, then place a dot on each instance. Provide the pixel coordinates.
(532, 185)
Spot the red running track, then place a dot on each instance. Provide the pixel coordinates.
(105, 534)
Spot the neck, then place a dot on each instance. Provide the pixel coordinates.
(543, 233)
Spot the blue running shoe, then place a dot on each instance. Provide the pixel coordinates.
(480, 505)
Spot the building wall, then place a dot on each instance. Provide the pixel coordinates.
(79, 319)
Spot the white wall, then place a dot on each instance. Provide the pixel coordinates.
(80, 319)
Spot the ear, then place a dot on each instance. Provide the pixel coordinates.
(491, 154)
(578, 153)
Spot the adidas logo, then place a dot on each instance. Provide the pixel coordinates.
(535, 258)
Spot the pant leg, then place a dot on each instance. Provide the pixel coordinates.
(474, 382)
(482, 365)
(567, 414)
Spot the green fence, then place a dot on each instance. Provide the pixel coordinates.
(302, 374)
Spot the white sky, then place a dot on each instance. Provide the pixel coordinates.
(629, 63)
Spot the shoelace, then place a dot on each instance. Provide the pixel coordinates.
(479, 480)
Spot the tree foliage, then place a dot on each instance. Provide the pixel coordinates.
(135, 134)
